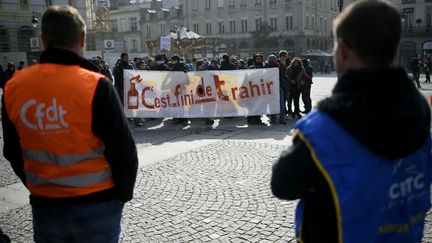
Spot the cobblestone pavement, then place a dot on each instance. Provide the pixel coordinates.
(218, 192)
(214, 193)
(7, 176)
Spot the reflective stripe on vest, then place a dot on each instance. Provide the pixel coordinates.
(72, 181)
(61, 160)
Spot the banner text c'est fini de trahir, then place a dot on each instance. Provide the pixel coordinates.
(201, 93)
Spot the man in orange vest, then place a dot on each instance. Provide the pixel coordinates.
(67, 138)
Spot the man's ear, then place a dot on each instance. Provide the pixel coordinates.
(344, 50)
(83, 39)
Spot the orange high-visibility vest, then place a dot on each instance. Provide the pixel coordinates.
(51, 108)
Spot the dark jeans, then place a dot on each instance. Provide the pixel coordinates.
(295, 97)
(289, 102)
(92, 223)
(282, 103)
(305, 94)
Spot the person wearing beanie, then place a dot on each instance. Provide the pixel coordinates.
(158, 58)
(226, 64)
(160, 64)
(271, 58)
(258, 62)
(241, 64)
(213, 65)
(178, 66)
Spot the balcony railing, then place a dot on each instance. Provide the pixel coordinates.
(417, 30)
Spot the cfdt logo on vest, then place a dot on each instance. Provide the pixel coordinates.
(46, 116)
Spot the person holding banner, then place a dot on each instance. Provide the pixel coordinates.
(176, 65)
(213, 65)
(67, 139)
(199, 66)
(118, 74)
(272, 62)
(362, 164)
(140, 65)
(160, 64)
(226, 64)
(257, 62)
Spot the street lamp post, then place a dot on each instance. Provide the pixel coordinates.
(181, 44)
(176, 29)
(340, 5)
(35, 41)
(34, 20)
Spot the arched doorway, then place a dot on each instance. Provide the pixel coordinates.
(408, 49)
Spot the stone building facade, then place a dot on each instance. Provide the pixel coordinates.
(416, 29)
(297, 26)
(20, 27)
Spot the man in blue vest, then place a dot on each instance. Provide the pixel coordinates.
(361, 163)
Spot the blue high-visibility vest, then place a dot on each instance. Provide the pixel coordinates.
(376, 199)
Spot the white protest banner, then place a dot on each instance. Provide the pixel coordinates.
(201, 94)
(103, 3)
(165, 43)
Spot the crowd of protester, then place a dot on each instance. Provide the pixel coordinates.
(295, 77)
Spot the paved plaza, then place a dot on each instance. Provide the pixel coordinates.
(198, 183)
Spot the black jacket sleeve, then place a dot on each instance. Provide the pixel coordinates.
(294, 173)
(12, 147)
(111, 126)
